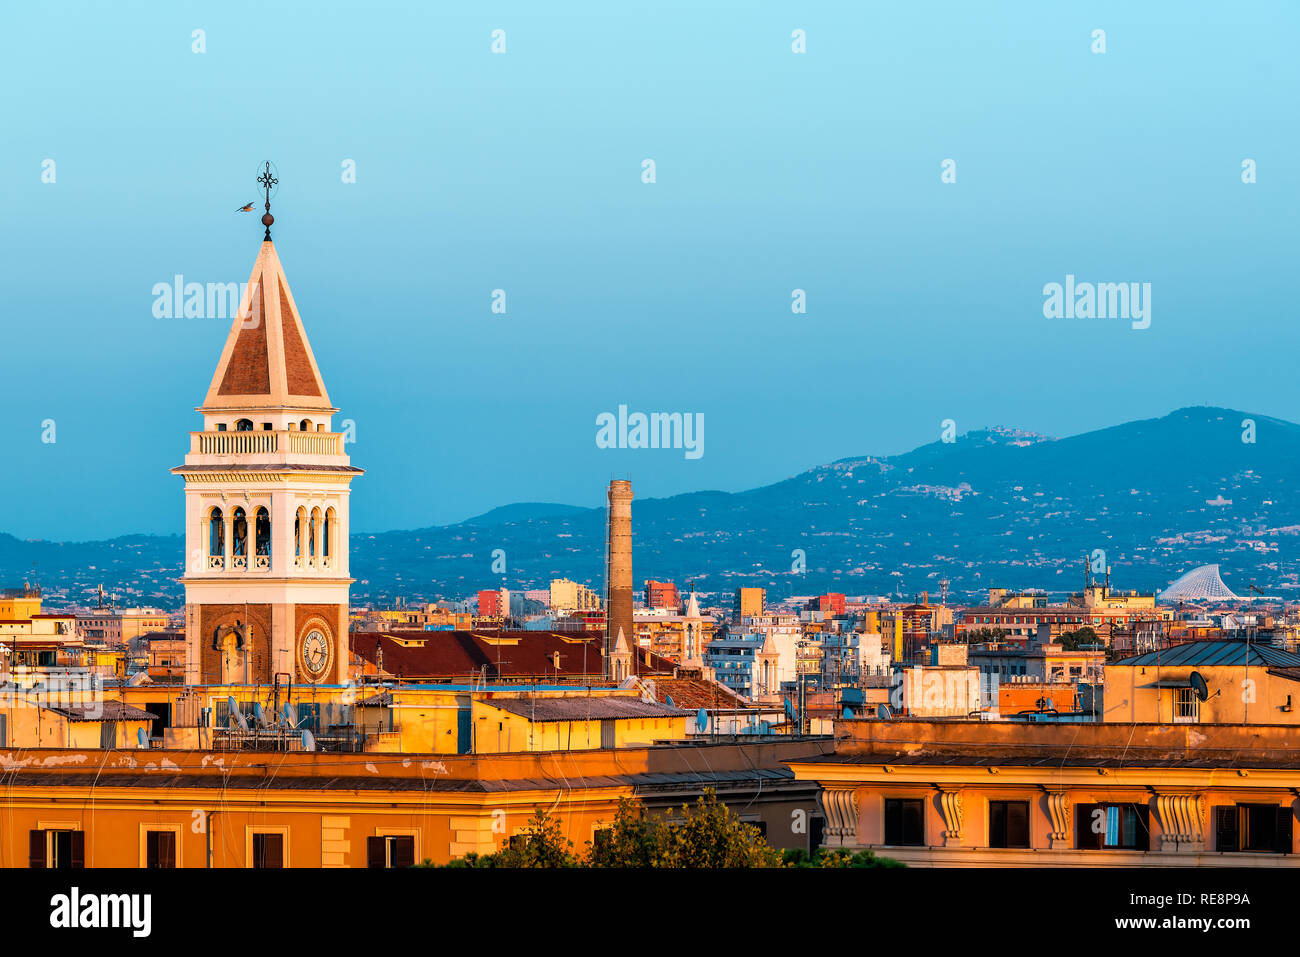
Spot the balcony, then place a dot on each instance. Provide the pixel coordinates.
(266, 448)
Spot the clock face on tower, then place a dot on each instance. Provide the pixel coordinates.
(315, 652)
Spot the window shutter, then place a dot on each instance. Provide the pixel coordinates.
(275, 850)
(78, 848)
(36, 849)
(1285, 816)
(375, 852)
(404, 852)
(1085, 838)
(1225, 828)
(1017, 824)
(893, 821)
(167, 849)
(1144, 826)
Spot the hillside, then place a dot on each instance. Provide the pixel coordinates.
(995, 507)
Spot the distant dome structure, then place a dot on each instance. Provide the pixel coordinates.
(1200, 584)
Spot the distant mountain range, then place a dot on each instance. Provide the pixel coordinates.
(996, 507)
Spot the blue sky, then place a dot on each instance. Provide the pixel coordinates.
(522, 171)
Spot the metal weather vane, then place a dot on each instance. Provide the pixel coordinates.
(267, 180)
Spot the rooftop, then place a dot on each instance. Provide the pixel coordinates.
(1206, 653)
(584, 708)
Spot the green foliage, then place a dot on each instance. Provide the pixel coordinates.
(1071, 640)
(707, 834)
(632, 841)
(712, 836)
(837, 857)
(541, 844)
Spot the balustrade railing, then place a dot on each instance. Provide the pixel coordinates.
(266, 442)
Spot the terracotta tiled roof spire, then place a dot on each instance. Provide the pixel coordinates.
(267, 362)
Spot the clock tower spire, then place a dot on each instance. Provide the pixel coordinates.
(267, 483)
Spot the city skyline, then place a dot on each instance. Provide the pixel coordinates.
(696, 437)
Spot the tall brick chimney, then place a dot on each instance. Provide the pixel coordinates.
(618, 573)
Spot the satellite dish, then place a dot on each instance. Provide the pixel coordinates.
(668, 700)
(701, 719)
(140, 736)
(290, 718)
(847, 714)
(1198, 685)
(236, 716)
(308, 740)
(259, 715)
(884, 713)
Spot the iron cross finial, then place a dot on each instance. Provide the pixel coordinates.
(266, 180)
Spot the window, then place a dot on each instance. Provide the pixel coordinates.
(1187, 706)
(904, 822)
(57, 849)
(160, 849)
(263, 532)
(244, 425)
(239, 533)
(390, 851)
(1261, 828)
(1008, 823)
(268, 850)
(216, 533)
(1112, 827)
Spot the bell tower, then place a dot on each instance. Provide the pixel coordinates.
(266, 503)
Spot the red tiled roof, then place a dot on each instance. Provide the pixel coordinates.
(696, 693)
(453, 655)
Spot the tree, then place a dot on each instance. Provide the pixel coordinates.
(713, 836)
(541, 844)
(630, 842)
(1071, 640)
(841, 857)
(708, 835)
